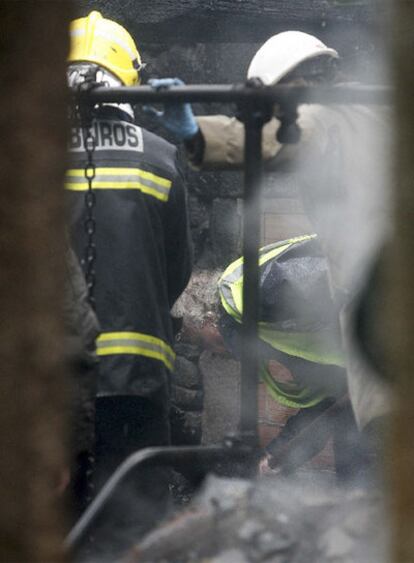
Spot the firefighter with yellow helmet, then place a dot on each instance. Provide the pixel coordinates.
(103, 42)
(141, 236)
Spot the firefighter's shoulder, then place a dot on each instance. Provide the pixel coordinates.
(160, 151)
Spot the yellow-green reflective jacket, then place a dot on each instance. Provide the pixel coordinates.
(310, 339)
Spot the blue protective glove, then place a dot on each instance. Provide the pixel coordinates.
(176, 118)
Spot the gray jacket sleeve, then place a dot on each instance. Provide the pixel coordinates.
(81, 323)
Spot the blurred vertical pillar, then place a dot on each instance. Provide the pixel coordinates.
(400, 314)
(33, 48)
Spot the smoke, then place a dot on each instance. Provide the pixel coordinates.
(344, 174)
(273, 520)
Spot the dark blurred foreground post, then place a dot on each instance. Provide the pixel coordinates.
(400, 317)
(33, 46)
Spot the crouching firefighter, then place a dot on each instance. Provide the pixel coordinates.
(298, 328)
(132, 237)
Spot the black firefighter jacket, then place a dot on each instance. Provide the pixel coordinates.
(143, 250)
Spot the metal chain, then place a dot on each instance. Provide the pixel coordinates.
(85, 112)
(89, 144)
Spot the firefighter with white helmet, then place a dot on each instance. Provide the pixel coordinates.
(339, 162)
(272, 63)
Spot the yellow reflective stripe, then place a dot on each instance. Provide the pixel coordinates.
(74, 172)
(297, 397)
(137, 336)
(120, 179)
(269, 252)
(321, 347)
(135, 343)
(118, 186)
(266, 253)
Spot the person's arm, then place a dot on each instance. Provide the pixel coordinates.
(216, 142)
(305, 436)
(223, 142)
(211, 142)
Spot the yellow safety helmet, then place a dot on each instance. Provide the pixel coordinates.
(97, 40)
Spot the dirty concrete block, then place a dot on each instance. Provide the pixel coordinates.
(231, 184)
(198, 212)
(225, 231)
(221, 415)
(186, 399)
(190, 351)
(210, 185)
(228, 185)
(193, 422)
(185, 427)
(186, 374)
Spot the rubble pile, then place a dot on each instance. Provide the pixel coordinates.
(274, 521)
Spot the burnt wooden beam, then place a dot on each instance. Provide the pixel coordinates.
(231, 20)
(156, 11)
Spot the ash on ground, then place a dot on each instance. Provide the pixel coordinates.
(273, 520)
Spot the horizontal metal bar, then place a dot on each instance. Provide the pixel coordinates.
(237, 93)
(197, 459)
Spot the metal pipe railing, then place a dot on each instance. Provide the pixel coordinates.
(239, 93)
(253, 117)
(197, 461)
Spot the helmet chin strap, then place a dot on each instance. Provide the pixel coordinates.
(77, 73)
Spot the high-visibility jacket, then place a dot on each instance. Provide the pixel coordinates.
(346, 198)
(143, 250)
(296, 314)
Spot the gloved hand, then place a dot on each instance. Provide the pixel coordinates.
(177, 118)
(265, 468)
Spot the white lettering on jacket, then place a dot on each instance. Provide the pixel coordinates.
(109, 135)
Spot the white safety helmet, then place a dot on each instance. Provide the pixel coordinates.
(283, 52)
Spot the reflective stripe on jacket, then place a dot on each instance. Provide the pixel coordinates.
(120, 179)
(135, 343)
(321, 345)
(290, 394)
(143, 247)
